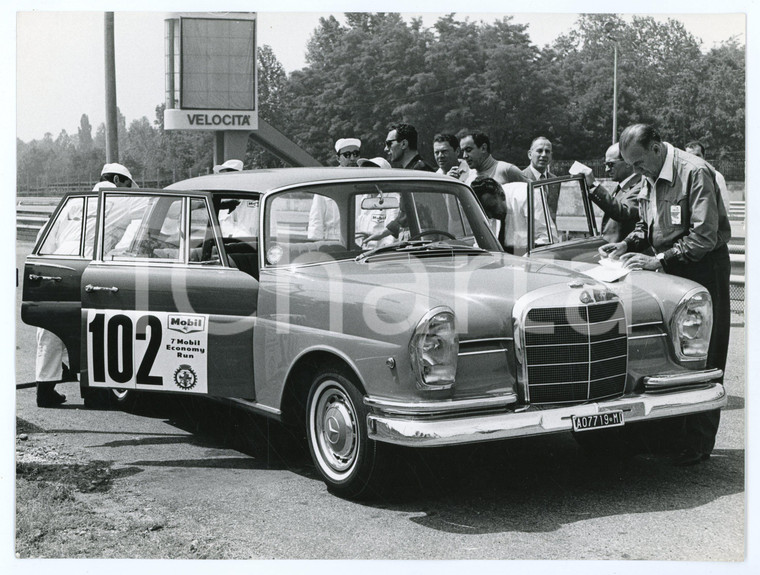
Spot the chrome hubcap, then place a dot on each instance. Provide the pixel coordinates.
(335, 429)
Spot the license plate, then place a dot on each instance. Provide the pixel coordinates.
(598, 420)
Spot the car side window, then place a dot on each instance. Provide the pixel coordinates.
(203, 243)
(239, 217)
(303, 227)
(65, 234)
(142, 227)
(89, 226)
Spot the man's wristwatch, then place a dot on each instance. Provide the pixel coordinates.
(661, 258)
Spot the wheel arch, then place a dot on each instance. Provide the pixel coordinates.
(301, 374)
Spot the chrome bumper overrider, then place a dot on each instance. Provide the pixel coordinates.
(450, 430)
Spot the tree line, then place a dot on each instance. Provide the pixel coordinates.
(376, 69)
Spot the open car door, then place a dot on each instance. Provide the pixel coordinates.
(570, 233)
(163, 309)
(52, 272)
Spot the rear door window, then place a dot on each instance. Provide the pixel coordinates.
(64, 237)
(143, 227)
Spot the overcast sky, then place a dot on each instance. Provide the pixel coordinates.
(60, 60)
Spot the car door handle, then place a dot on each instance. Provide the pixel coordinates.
(35, 277)
(91, 288)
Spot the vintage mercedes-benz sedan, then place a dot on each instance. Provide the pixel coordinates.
(368, 306)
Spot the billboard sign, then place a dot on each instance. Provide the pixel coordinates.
(211, 79)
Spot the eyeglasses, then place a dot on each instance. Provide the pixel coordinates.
(610, 165)
(354, 154)
(389, 143)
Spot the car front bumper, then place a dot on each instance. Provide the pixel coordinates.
(408, 430)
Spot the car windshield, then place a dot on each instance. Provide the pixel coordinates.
(347, 220)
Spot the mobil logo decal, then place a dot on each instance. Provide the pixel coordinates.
(187, 323)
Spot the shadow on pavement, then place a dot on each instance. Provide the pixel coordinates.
(535, 484)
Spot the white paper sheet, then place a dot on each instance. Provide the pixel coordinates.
(608, 270)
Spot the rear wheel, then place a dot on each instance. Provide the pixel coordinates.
(124, 399)
(104, 398)
(95, 397)
(336, 429)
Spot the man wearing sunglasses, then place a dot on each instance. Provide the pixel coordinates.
(621, 206)
(348, 151)
(401, 148)
(324, 216)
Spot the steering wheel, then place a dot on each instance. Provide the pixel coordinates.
(430, 233)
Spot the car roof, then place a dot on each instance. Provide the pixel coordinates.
(265, 180)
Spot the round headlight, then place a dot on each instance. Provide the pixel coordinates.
(434, 349)
(691, 326)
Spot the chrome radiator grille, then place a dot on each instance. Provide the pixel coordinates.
(575, 354)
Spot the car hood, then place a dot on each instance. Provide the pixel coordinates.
(482, 290)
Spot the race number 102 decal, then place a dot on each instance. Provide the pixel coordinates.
(147, 350)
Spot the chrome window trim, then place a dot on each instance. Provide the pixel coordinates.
(645, 324)
(651, 335)
(485, 340)
(483, 352)
(41, 260)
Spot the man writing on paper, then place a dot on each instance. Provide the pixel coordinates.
(684, 220)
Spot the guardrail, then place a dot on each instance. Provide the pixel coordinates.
(32, 213)
(737, 210)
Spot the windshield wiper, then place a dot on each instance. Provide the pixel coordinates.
(389, 248)
(425, 245)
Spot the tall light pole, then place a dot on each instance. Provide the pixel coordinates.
(112, 133)
(608, 28)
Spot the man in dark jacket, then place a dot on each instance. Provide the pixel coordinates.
(401, 147)
(540, 156)
(684, 221)
(621, 206)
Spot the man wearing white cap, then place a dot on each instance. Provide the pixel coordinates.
(229, 166)
(373, 163)
(118, 175)
(348, 151)
(51, 362)
(51, 359)
(324, 216)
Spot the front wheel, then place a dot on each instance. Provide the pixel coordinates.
(336, 428)
(603, 442)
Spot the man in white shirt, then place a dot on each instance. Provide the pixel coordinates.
(540, 156)
(507, 207)
(51, 359)
(324, 216)
(446, 152)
